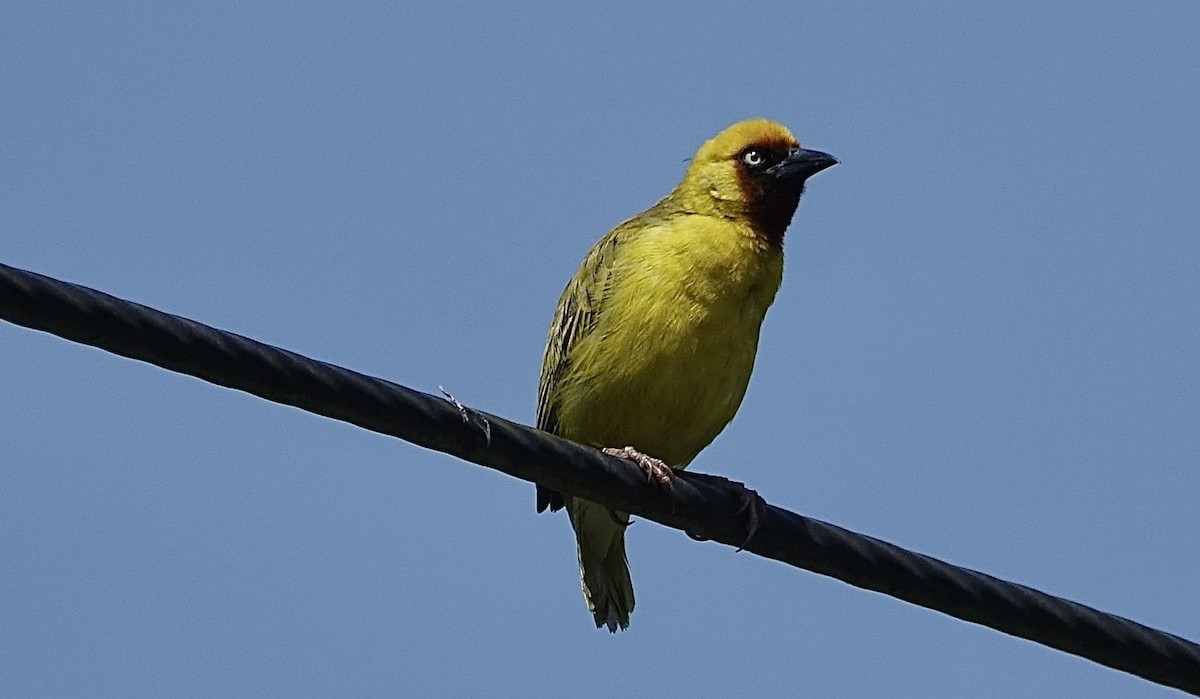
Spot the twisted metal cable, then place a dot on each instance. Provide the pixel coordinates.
(697, 505)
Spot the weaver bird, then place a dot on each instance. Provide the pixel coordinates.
(654, 338)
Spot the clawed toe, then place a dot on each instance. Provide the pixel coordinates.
(659, 472)
(656, 470)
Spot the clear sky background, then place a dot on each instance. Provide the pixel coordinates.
(986, 347)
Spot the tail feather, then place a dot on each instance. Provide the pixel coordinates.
(603, 567)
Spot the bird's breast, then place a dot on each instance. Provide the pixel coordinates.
(668, 362)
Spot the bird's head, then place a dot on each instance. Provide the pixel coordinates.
(754, 170)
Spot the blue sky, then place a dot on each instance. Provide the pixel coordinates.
(986, 348)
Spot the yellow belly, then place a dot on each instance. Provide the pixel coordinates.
(668, 364)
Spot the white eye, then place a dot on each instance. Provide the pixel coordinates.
(753, 158)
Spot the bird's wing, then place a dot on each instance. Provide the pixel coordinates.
(578, 308)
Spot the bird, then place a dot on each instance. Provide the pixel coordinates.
(652, 344)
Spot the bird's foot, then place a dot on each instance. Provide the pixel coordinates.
(656, 470)
(752, 503)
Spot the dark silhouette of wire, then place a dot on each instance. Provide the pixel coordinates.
(698, 505)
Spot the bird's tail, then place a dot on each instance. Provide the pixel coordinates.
(603, 567)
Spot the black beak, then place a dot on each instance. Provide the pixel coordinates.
(802, 164)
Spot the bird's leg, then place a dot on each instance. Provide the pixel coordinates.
(752, 503)
(655, 469)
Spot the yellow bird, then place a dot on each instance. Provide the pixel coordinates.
(654, 338)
